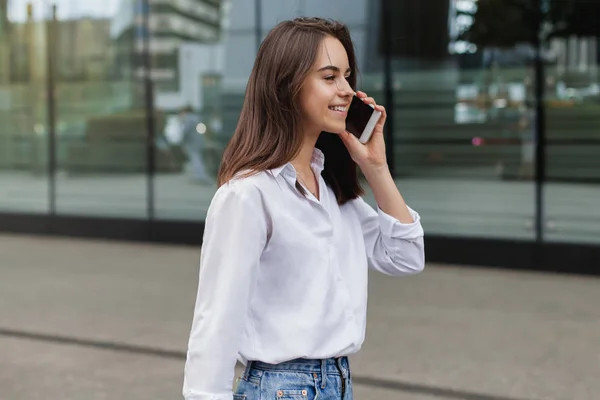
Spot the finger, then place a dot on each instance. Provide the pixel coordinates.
(344, 137)
(349, 140)
(360, 95)
(369, 100)
(383, 115)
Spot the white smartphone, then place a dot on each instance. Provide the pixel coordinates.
(361, 119)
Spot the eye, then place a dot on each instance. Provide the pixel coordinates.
(330, 78)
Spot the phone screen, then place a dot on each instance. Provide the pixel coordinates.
(358, 116)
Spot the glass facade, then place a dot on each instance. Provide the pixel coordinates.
(122, 108)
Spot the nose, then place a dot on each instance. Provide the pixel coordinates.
(344, 88)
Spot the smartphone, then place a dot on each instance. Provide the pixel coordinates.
(361, 119)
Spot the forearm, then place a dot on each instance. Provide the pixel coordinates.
(386, 193)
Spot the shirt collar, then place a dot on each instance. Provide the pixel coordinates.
(317, 163)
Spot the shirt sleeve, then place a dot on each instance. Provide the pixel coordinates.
(234, 238)
(393, 248)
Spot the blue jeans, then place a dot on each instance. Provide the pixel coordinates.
(299, 379)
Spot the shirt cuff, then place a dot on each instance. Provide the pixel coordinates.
(393, 228)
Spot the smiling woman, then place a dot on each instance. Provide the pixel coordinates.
(327, 92)
(288, 240)
(272, 127)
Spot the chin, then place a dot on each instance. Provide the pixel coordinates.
(335, 129)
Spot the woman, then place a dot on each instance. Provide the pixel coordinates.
(288, 239)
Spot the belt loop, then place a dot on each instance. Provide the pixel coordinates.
(323, 373)
(247, 370)
(340, 364)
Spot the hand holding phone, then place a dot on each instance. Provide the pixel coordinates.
(364, 140)
(361, 119)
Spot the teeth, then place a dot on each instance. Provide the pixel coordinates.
(338, 108)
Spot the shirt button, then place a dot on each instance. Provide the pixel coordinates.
(280, 394)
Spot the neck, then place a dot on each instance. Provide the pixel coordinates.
(302, 161)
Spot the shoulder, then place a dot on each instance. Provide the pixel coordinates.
(249, 182)
(244, 189)
(238, 206)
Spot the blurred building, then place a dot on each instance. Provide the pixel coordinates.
(169, 24)
(83, 50)
(4, 43)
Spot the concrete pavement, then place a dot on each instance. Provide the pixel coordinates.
(107, 320)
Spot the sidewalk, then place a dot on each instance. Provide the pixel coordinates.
(108, 320)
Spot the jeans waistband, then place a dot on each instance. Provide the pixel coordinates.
(337, 366)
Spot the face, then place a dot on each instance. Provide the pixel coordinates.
(326, 93)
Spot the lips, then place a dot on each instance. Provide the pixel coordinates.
(339, 108)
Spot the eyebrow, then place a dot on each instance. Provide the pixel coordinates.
(332, 68)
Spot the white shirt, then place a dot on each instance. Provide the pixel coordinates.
(284, 276)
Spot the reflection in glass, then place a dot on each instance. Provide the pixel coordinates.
(187, 43)
(100, 118)
(569, 53)
(573, 142)
(23, 117)
(462, 123)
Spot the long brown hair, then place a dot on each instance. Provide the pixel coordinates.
(268, 133)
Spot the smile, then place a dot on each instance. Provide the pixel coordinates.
(339, 108)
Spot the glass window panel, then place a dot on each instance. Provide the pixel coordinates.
(100, 115)
(23, 109)
(199, 102)
(463, 127)
(572, 191)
